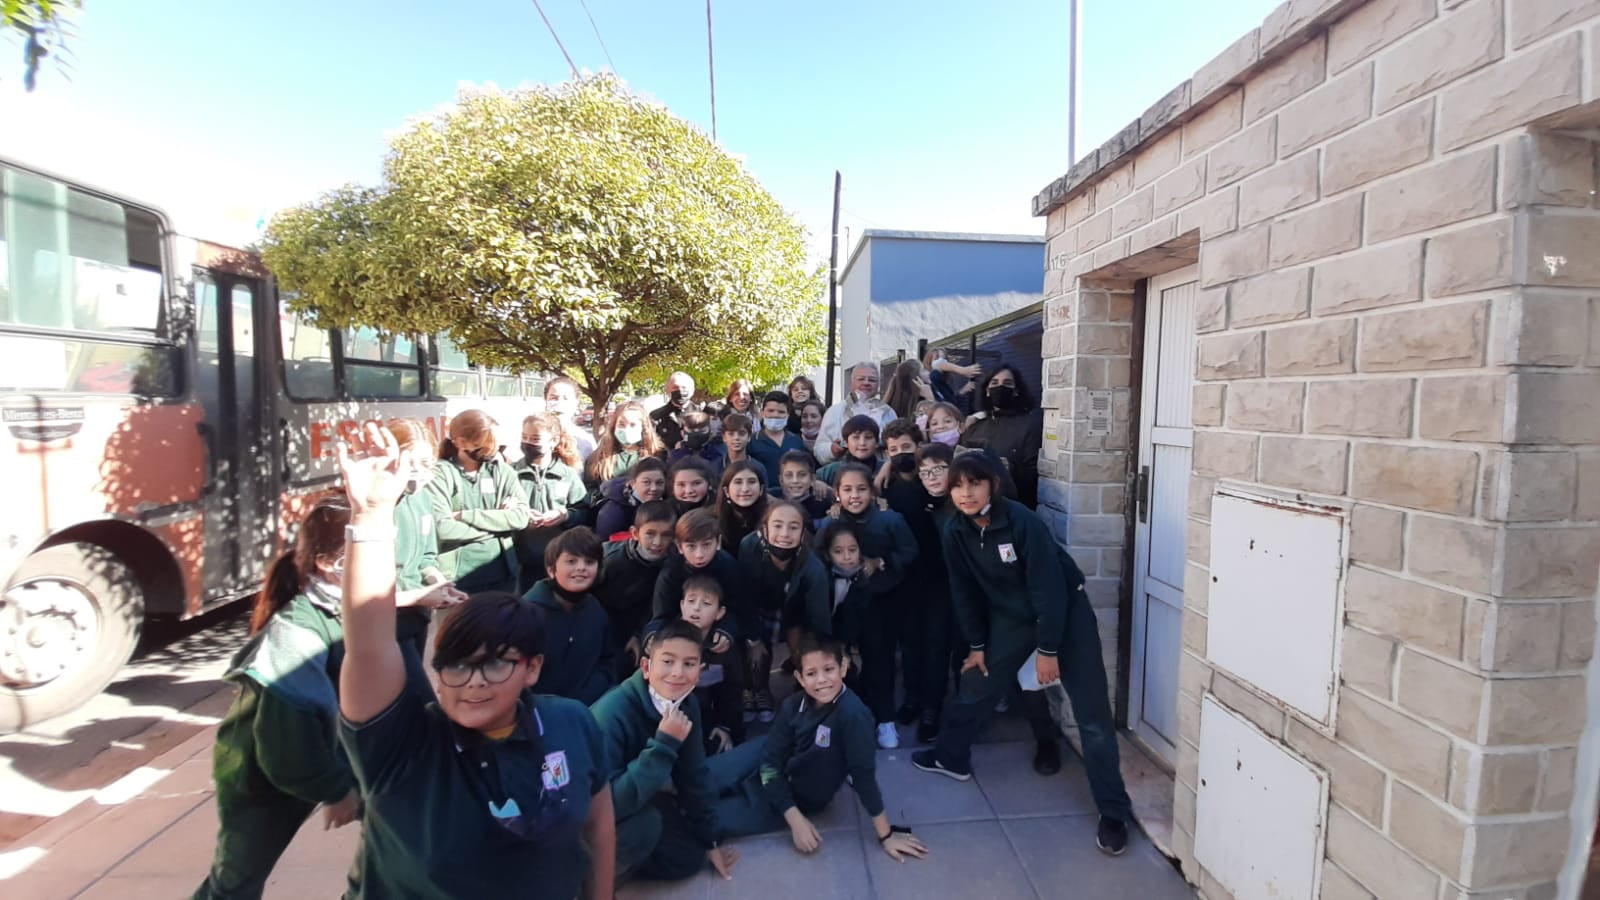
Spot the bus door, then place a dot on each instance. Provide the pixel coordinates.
(241, 496)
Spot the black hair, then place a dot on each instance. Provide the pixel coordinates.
(705, 584)
(775, 397)
(902, 428)
(937, 452)
(854, 468)
(646, 464)
(321, 533)
(489, 624)
(795, 457)
(975, 467)
(675, 630)
(857, 424)
(694, 463)
(654, 511)
(580, 542)
(831, 533)
(1024, 396)
(811, 643)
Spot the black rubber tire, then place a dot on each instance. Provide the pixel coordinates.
(118, 601)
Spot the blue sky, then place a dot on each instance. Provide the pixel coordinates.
(941, 115)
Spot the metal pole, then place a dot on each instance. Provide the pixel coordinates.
(711, 65)
(833, 290)
(1075, 38)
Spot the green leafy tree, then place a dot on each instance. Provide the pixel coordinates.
(42, 24)
(575, 228)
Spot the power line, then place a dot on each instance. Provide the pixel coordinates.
(553, 34)
(597, 36)
(711, 63)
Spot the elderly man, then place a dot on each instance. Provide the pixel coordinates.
(668, 420)
(863, 400)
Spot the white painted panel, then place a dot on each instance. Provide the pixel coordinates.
(1175, 392)
(1258, 811)
(1274, 606)
(1163, 644)
(1169, 512)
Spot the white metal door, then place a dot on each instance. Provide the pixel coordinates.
(1166, 442)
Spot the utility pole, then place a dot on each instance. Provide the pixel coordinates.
(833, 290)
(711, 65)
(1075, 38)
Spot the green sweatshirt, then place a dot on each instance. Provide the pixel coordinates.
(493, 509)
(416, 546)
(644, 762)
(281, 734)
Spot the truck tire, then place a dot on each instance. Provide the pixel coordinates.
(69, 619)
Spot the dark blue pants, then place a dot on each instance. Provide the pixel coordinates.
(1083, 675)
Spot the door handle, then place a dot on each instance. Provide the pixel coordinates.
(1141, 492)
(283, 450)
(208, 437)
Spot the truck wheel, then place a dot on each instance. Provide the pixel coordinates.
(69, 618)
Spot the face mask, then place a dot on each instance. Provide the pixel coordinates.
(859, 396)
(1002, 396)
(533, 453)
(810, 434)
(646, 555)
(947, 438)
(662, 704)
(481, 455)
(679, 396)
(629, 435)
(922, 423)
(564, 408)
(775, 423)
(846, 571)
(904, 462)
(694, 440)
(782, 554)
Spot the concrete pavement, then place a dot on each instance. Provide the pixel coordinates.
(1008, 833)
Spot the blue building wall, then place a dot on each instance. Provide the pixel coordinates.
(905, 269)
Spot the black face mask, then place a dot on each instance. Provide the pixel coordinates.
(904, 463)
(695, 440)
(1002, 396)
(533, 453)
(480, 455)
(679, 397)
(783, 554)
(683, 506)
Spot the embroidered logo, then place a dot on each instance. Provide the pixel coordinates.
(1008, 553)
(555, 772)
(824, 736)
(425, 525)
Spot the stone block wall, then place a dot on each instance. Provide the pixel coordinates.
(1392, 205)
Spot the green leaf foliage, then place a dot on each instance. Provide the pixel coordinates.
(575, 228)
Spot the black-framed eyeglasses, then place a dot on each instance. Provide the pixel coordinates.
(932, 471)
(494, 671)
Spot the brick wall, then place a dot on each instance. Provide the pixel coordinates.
(1393, 208)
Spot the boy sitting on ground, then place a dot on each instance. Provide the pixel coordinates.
(721, 686)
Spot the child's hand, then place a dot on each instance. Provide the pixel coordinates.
(375, 471)
(975, 661)
(721, 740)
(631, 648)
(835, 510)
(723, 860)
(675, 724)
(872, 566)
(883, 503)
(720, 642)
(1048, 669)
(881, 480)
(338, 815)
(820, 490)
(804, 834)
(902, 846)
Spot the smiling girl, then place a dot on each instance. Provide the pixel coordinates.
(628, 438)
(789, 592)
(741, 502)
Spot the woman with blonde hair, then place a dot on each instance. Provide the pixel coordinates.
(628, 437)
(478, 507)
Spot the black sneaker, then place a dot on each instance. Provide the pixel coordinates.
(749, 705)
(908, 714)
(927, 762)
(1047, 759)
(928, 728)
(765, 710)
(1112, 836)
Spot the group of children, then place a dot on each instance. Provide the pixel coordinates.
(625, 663)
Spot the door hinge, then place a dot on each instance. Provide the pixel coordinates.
(1141, 492)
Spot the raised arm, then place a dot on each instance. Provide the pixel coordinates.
(374, 673)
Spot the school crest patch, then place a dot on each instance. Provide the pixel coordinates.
(555, 772)
(1008, 553)
(824, 736)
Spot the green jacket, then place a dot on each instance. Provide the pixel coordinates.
(484, 533)
(557, 486)
(281, 734)
(619, 465)
(416, 544)
(644, 763)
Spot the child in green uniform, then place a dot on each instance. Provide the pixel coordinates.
(628, 437)
(823, 736)
(277, 755)
(1017, 594)
(478, 507)
(416, 550)
(578, 661)
(627, 584)
(721, 686)
(652, 725)
(553, 486)
(493, 791)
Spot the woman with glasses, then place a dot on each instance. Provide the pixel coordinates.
(276, 758)
(494, 790)
(479, 507)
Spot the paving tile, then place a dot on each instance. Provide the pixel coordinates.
(1005, 773)
(192, 777)
(965, 859)
(317, 848)
(914, 797)
(302, 882)
(696, 888)
(1061, 851)
(142, 887)
(770, 868)
(185, 847)
(103, 842)
(1007, 728)
(37, 885)
(843, 814)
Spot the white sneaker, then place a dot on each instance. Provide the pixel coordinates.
(888, 737)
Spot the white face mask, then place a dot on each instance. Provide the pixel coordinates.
(775, 423)
(564, 408)
(662, 704)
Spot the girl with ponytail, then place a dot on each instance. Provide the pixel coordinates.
(276, 757)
